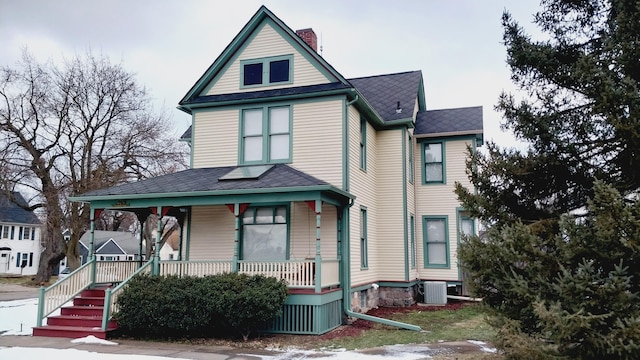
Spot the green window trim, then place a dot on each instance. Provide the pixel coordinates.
(437, 241)
(258, 129)
(263, 217)
(264, 65)
(363, 144)
(411, 165)
(433, 162)
(364, 246)
(412, 236)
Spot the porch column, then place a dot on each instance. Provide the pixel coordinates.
(156, 247)
(316, 206)
(236, 239)
(92, 250)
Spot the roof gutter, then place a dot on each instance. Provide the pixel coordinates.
(346, 291)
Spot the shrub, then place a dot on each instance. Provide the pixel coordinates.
(247, 302)
(175, 307)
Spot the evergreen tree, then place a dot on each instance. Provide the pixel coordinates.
(558, 266)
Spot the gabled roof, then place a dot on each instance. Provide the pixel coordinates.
(263, 14)
(449, 122)
(208, 180)
(393, 96)
(125, 241)
(14, 212)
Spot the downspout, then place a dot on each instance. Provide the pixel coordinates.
(346, 281)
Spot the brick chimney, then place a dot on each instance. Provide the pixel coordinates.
(309, 37)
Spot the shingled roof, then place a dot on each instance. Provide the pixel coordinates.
(11, 212)
(393, 96)
(208, 180)
(126, 240)
(466, 120)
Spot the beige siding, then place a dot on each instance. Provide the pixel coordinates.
(390, 242)
(440, 200)
(363, 186)
(266, 43)
(212, 233)
(411, 204)
(317, 140)
(302, 239)
(215, 138)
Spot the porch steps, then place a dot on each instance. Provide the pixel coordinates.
(82, 319)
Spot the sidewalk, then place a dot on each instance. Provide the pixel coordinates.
(131, 347)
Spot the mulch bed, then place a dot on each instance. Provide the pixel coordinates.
(358, 326)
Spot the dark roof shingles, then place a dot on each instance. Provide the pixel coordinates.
(207, 179)
(383, 92)
(11, 212)
(464, 120)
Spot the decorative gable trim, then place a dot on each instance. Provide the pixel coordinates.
(259, 19)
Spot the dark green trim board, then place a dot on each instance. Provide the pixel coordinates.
(426, 241)
(363, 144)
(404, 204)
(345, 145)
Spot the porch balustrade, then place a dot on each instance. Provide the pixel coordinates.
(297, 273)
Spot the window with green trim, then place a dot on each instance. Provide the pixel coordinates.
(363, 143)
(436, 241)
(364, 252)
(265, 234)
(411, 176)
(266, 71)
(433, 163)
(412, 234)
(466, 224)
(433, 155)
(266, 135)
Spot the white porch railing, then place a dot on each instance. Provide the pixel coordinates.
(114, 271)
(297, 273)
(194, 268)
(111, 295)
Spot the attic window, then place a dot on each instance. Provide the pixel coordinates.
(266, 71)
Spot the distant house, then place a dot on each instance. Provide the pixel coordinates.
(171, 248)
(110, 246)
(20, 232)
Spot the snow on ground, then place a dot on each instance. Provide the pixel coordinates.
(17, 317)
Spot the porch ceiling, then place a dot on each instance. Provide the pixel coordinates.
(203, 187)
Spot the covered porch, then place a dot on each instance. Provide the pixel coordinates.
(274, 221)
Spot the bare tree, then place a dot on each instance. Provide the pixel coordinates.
(69, 129)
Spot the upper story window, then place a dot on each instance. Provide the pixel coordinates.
(433, 163)
(363, 144)
(5, 232)
(266, 71)
(411, 176)
(266, 135)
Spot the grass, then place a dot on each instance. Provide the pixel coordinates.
(464, 323)
(25, 280)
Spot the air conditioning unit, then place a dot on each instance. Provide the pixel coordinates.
(435, 292)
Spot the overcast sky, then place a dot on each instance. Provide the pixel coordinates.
(169, 44)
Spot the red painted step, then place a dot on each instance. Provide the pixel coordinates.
(82, 319)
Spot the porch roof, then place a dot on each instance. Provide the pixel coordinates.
(207, 182)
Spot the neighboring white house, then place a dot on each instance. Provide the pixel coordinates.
(20, 232)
